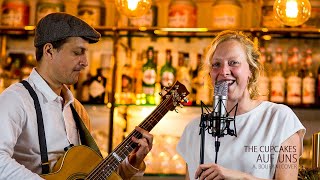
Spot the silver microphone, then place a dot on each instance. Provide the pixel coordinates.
(220, 107)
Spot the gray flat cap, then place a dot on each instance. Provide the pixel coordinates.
(58, 26)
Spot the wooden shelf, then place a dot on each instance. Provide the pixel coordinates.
(191, 32)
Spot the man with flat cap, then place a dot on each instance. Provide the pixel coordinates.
(40, 119)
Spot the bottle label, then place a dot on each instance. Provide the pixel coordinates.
(226, 15)
(182, 15)
(148, 90)
(294, 90)
(14, 14)
(96, 89)
(149, 77)
(308, 90)
(167, 79)
(277, 89)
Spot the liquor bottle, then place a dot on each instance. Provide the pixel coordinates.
(15, 71)
(184, 73)
(308, 81)
(200, 83)
(194, 81)
(149, 70)
(277, 84)
(83, 94)
(138, 78)
(293, 79)
(268, 62)
(318, 87)
(168, 72)
(27, 68)
(127, 80)
(157, 86)
(264, 81)
(97, 88)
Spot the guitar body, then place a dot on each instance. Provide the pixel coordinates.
(76, 164)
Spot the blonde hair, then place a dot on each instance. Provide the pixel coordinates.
(252, 53)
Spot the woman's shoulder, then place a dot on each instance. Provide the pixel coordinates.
(275, 107)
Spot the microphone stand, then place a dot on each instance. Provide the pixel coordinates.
(206, 123)
(203, 125)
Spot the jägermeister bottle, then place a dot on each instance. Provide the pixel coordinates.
(149, 70)
(168, 72)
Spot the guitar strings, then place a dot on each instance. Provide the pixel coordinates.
(105, 163)
(134, 133)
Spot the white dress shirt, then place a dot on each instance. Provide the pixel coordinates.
(19, 142)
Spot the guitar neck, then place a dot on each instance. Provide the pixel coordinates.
(111, 163)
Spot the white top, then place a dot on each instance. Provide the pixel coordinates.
(255, 150)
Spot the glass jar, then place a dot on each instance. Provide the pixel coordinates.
(226, 14)
(45, 7)
(182, 13)
(92, 11)
(147, 20)
(15, 13)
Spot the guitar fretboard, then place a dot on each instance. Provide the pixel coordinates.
(111, 163)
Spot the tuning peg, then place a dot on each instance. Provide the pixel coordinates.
(181, 105)
(176, 110)
(185, 100)
(160, 93)
(165, 89)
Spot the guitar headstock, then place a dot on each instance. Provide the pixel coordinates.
(175, 95)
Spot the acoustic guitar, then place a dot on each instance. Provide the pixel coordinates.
(81, 162)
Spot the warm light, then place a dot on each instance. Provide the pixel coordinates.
(29, 28)
(292, 9)
(292, 12)
(184, 29)
(133, 8)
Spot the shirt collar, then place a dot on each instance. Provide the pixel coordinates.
(45, 89)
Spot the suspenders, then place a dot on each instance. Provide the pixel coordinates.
(41, 133)
(85, 136)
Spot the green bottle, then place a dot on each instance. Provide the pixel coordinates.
(149, 70)
(168, 72)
